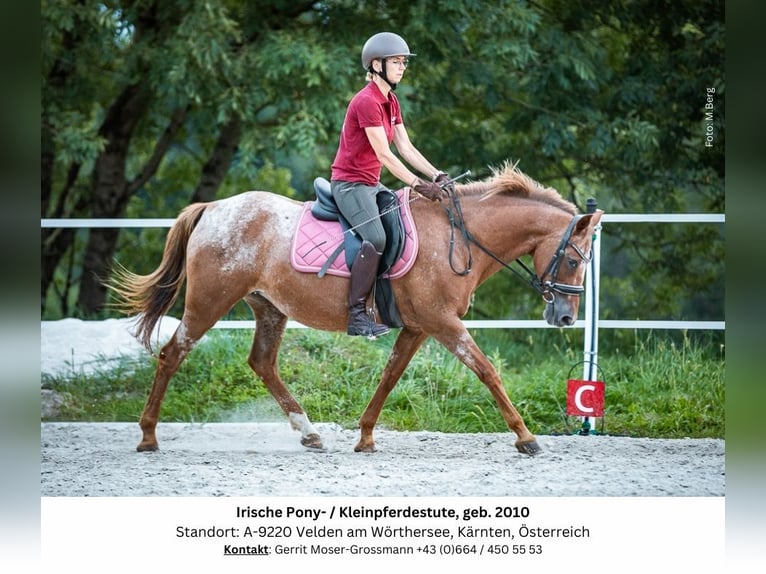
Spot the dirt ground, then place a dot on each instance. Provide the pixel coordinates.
(266, 459)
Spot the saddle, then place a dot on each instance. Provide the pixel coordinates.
(323, 234)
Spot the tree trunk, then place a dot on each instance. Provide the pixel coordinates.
(56, 242)
(109, 194)
(112, 191)
(217, 166)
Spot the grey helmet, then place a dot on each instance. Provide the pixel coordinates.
(383, 45)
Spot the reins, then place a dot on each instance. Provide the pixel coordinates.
(456, 221)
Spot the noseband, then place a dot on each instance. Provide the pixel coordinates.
(545, 287)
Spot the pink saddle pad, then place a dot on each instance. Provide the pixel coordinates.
(315, 240)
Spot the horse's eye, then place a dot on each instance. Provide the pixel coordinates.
(573, 263)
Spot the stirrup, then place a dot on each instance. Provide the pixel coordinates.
(376, 330)
(371, 329)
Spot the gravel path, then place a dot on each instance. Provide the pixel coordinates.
(266, 459)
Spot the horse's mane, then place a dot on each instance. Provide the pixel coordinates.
(510, 180)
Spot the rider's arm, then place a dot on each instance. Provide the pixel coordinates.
(411, 154)
(379, 143)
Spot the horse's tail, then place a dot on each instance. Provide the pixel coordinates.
(151, 296)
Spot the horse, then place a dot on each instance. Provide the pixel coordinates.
(237, 248)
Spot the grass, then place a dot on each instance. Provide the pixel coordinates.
(656, 386)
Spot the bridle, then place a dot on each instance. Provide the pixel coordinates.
(547, 288)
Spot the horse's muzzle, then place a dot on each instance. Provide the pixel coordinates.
(558, 313)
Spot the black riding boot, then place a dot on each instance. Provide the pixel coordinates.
(363, 273)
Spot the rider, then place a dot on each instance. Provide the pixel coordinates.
(373, 121)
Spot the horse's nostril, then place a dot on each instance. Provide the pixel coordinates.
(567, 320)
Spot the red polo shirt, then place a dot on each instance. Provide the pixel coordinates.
(356, 160)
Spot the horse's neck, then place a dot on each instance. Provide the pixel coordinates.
(512, 227)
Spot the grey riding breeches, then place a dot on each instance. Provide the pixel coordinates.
(357, 203)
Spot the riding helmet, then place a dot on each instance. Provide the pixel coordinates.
(383, 45)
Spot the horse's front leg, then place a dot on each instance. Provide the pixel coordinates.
(405, 347)
(462, 345)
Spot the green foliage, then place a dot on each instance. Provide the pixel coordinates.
(655, 386)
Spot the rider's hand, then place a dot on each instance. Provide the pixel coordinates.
(441, 178)
(430, 190)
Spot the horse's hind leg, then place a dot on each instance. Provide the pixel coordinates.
(170, 358)
(204, 306)
(269, 330)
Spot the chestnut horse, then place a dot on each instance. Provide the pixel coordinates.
(238, 248)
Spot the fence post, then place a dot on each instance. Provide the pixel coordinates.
(592, 278)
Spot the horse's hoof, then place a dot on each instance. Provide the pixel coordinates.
(147, 447)
(312, 441)
(530, 448)
(365, 447)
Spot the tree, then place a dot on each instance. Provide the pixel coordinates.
(170, 74)
(602, 100)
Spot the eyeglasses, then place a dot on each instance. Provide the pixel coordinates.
(399, 61)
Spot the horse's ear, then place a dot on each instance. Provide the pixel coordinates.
(588, 221)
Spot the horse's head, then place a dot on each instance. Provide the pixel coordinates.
(560, 255)
(560, 267)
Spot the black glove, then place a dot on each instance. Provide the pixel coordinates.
(441, 177)
(430, 190)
